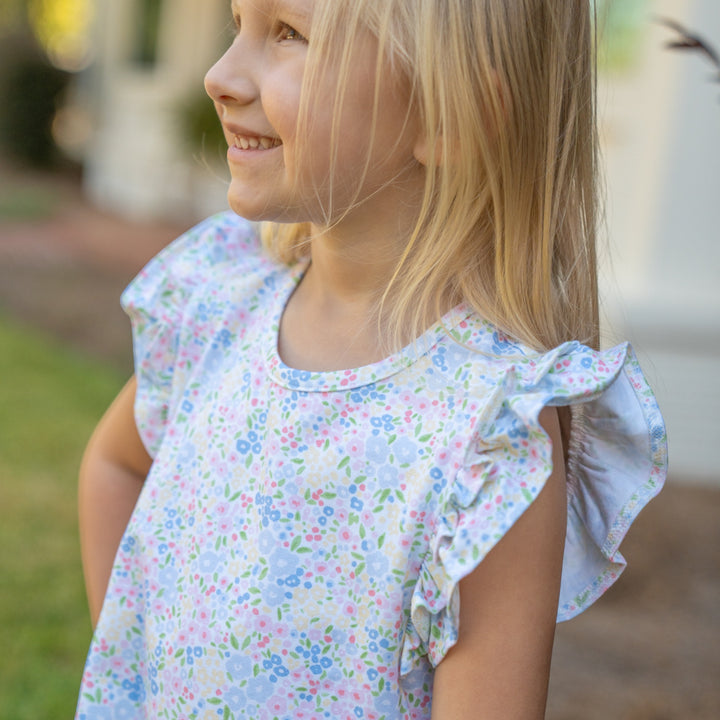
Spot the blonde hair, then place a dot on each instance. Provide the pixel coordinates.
(506, 95)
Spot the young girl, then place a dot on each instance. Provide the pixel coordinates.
(365, 464)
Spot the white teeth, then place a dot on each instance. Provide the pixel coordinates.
(244, 142)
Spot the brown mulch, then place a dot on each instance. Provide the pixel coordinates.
(648, 650)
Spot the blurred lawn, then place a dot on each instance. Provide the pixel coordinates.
(50, 400)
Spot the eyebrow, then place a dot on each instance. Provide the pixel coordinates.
(282, 8)
(291, 11)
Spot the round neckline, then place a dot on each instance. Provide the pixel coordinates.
(349, 378)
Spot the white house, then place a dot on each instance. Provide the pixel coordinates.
(151, 57)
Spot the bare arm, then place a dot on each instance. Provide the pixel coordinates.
(500, 666)
(112, 474)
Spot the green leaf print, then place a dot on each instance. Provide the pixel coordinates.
(295, 544)
(234, 642)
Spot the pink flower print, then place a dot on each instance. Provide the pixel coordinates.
(280, 631)
(278, 705)
(225, 526)
(222, 509)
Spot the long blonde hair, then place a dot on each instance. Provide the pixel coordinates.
(506, 95)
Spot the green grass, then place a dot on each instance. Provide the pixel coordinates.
(26, 203)
(50, 399)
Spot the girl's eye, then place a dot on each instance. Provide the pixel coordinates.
(287, 32)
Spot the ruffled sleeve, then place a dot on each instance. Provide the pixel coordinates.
(617, 462)
(156, 302)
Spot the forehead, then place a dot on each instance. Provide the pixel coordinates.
(301, 9)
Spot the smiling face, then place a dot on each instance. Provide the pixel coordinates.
(343, 161)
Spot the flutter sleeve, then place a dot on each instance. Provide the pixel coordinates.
(617, 462)
(157, 303)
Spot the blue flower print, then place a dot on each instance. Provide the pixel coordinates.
(501, 343)
(376, 449)
(274, 595)
(186, 453)
(405, 450)
(235, 698)
(124, 710)
(168, 576)
(266, 542)
(388, 476)
(238, 667)
(136, 689)
(386, 703)
(377, 564)
(213, 359)
(283, 562)
(208, 561)
(456, 356)
(96, 712)
(259, 688)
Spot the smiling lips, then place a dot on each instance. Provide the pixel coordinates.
(246, 142)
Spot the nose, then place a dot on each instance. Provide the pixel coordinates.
(230, 80)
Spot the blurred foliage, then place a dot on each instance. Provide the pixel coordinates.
(620, 23)
(147, 32)
(62, 27)
(40, 42)
(19, 202)
(31, 90)
(200, 128)
(50, 401)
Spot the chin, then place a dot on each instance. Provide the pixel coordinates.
(260, 210)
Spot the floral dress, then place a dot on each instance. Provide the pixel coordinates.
(298, 544)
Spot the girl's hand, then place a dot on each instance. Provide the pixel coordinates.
(112, 474)
(500, 666)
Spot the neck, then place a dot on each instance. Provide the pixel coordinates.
(331, 320)
(353, 260)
